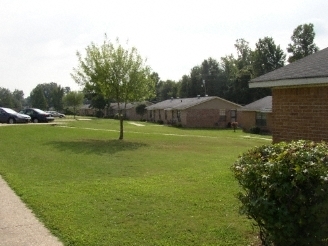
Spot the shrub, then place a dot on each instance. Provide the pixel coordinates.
(255, 130)
(99, 114)
(67, 111)
(161, 122)
(285, 191)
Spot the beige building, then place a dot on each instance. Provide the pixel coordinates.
(209, 112)
(299, 98)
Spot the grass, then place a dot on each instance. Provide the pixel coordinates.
(159, 186)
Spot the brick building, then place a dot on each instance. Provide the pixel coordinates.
(299, 98)
(257, 114)
(209, 112)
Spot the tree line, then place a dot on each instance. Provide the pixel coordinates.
(44, 96)
(227, 77)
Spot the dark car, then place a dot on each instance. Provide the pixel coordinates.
(37, 115)
(10, 116)
(55, 114)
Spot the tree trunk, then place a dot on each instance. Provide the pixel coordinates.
(121, 125)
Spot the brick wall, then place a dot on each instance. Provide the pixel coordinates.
(300, 113)
(206, 118)
(247, 120)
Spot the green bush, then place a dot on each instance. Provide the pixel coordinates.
(285, 191)
(255, 130)
(161, 122)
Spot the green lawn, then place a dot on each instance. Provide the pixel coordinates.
(159, 186)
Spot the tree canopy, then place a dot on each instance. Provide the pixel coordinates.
(118, 73)
(10, 99)
(303, 42)
(110, 72)
(47, 95)
(267, 56)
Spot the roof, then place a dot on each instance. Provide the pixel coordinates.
(263, 105)
(128, 105)
(310, 70)
(85, 106)
(184, 103)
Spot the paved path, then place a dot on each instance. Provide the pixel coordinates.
(18, 225)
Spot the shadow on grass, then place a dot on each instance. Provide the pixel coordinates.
(96, 146)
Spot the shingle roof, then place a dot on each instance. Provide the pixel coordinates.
(262, 105)
(128, 105)
(308, 70)
(184, 103)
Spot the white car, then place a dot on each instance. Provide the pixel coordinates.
(56, 114)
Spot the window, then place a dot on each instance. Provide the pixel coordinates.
(165, 114)
(179, 115)
(223, 116)
(159, 114)
(261, 119)
(233, 115)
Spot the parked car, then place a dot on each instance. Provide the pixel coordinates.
(55, 114)
(37, 115)
(10, 116)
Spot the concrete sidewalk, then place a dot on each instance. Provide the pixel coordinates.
(18, 225)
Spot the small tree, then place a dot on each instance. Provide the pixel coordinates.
(117, 73)
(285, 192)
(73, 99)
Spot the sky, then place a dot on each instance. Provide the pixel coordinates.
(39, 39)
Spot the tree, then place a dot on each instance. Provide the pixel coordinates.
(167, 89)
(67, 89)
(6, 98)
(267, 57)
(230, 71)
(73, 99)
(141, 109)
(57, 95)
(118, 73)
(38, 99)
(238, 72)
(244, 53)
(302, 46)
(52, 94)
(184, 86)
(95, 99)
(157, 80)
(18, 98)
